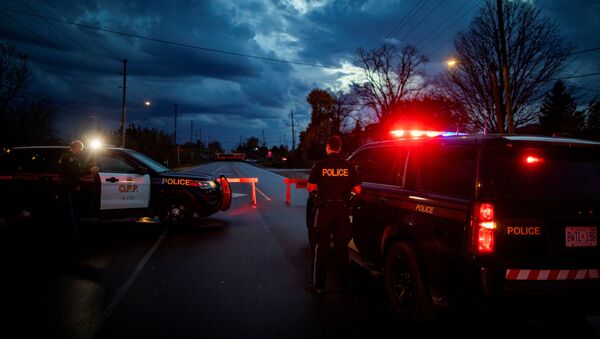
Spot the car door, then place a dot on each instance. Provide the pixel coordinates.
(380, 169)
(28, 182)
(122, 185)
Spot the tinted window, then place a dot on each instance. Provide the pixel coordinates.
(537, 171)
(442, 169)
(382, 165)
(111, 163)
(158, 168)
(30, 160)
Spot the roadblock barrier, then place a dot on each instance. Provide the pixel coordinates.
(252, 181)
(300, 183)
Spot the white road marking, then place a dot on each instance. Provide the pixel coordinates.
(217, 170)
(237, 195)
(125, 287)
(263, 194)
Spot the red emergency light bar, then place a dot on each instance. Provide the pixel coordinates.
(415, 133)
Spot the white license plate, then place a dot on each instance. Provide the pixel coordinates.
(581, 236)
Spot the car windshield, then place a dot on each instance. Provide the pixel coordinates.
(155, 166)
(536, 171)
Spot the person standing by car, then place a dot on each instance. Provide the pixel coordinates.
(336, 180)
(70, 169)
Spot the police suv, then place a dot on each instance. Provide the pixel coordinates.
(128, 184)
(480, 218)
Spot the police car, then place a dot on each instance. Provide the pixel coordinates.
(478, 218)
(128, 184)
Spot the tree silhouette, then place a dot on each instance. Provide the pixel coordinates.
(536, 53)
(559, 113)
(593, 120)
(25, 119)
(390, 77)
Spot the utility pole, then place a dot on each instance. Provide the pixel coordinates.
(264, 140)
(191, 130)
(175, 135)
(123, 104)
(496, 96)
(175, 128)
(505, 71)
(293, 124)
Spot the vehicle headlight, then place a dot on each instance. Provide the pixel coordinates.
(206, 184)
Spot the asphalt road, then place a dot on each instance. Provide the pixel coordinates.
(235, 274)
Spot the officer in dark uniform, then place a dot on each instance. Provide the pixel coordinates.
(336, 180)
(70, 170)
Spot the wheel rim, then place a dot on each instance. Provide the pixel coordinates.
(175, 213)
(403, 283)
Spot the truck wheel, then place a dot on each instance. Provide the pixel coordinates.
(176, 211)
(404, 285)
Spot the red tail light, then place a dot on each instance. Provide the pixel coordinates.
(532, 159)
(484, 227)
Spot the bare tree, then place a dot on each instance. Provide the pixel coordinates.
(14, 75)
(390, 76)
(344, 105)
(536, 53)
(25, 119)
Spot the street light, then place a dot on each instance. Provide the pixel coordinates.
(451, 63)
(147, 103)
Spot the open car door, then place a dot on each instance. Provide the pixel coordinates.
(226, 188)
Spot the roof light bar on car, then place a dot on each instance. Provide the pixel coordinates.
(415, 133)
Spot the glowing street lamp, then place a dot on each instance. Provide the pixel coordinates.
(451, 63)
(147, 103)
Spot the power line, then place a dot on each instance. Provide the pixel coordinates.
(167, 42)
(584, 51)
(448, 27)
(576, 76)
(423, 19)
(50, 43)
(406, 18)
(116, 58)
(68, 37)
(430, 37)
(73, 40)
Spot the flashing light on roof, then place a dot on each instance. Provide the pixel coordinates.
(399, 133)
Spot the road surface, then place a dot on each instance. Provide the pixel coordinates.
(236, 274)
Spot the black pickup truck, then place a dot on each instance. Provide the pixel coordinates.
(480, 217)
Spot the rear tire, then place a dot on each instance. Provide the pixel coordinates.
(404, 285)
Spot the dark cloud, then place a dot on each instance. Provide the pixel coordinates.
(231, 95)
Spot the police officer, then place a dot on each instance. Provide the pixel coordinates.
(70, 170)
(335, 179)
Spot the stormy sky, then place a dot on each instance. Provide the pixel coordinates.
(237, 68)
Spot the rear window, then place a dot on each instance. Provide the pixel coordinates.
(381, 165)
(537, 171)
(30, 160)
(447, 169)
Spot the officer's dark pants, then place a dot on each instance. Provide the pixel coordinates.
(69, 208)
(331, 218)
